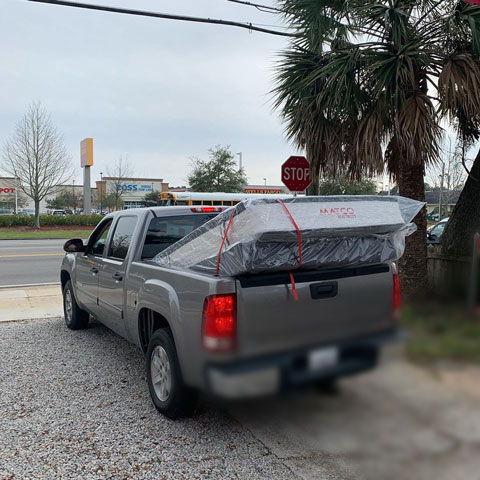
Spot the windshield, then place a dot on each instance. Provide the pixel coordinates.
(438, 229)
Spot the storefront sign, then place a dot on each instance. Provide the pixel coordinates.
(264, 191)
(134, 187)
(86, 152)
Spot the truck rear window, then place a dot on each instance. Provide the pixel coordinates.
(165, 231)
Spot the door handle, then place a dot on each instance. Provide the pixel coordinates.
(94, 270)
(117, 277)
(324, 290)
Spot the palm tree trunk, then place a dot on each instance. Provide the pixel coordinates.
(457, 239)
(313, 188)
(413, 264)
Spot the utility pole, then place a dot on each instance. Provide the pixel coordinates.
(440, 199)
(73, 195)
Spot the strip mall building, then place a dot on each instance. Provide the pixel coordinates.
(133, 192)
(133, 189)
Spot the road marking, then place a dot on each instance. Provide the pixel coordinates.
(13, 255)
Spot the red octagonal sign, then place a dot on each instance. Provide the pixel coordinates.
(296, 174)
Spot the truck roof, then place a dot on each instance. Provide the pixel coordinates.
(166, 211)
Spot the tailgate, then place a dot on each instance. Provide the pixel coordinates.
(332, 305)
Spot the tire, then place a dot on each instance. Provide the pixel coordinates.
(75, 317)
(328, 386)
(170, 395)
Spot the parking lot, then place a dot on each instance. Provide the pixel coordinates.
(75, 405)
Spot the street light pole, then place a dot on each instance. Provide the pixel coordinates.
(101, 192)
(265, 181)
(239, 160)
(73, 193)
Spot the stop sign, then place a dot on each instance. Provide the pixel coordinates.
(296, 174)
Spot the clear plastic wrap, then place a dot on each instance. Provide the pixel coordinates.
(271, 234)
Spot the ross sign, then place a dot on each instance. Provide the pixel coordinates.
(296, 174)
(133, 187)
(86, 152)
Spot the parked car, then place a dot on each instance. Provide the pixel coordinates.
(6, 211)
(231, 336)
(27, 211)
(434, 233)
(59, 212)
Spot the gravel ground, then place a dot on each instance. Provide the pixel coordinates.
(76, 405)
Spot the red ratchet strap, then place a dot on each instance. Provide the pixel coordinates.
(223, 241)
(299, 237)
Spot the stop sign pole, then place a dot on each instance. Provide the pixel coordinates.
(296, 174)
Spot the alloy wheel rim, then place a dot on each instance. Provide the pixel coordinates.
(160, 373)
(68, 305)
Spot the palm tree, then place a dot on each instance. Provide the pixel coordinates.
(365, 84)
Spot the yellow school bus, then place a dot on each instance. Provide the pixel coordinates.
(207, 198)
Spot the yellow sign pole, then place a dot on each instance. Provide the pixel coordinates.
(86, 161)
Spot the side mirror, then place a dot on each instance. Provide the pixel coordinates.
(74, 245)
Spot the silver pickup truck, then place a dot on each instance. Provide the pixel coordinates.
(233, 337)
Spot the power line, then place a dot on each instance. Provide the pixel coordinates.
(142, 13)
(262, 8)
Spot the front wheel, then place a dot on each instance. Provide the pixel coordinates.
(169, 394)
(75, 317)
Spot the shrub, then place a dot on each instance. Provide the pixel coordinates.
(49, 220)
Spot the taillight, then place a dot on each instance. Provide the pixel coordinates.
(219, 322)
(206, 209)
(397, 296)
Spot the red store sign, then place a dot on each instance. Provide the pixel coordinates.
(7, 190)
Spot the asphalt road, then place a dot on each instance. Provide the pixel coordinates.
(26, 262)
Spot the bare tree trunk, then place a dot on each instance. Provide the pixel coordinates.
(37, 214)
(457, 239)
(413, 264)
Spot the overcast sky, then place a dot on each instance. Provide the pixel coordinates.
(155, 91)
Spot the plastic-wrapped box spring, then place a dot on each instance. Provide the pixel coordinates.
(267, 234)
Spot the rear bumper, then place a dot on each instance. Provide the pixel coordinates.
(269, 375)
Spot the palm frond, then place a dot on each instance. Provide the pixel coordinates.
(458, 86)
(417, 130)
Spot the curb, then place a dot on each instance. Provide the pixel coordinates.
(30, 285)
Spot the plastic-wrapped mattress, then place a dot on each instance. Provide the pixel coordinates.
(271, 234)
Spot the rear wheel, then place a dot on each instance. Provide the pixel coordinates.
(169, 394)
(75, 317)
